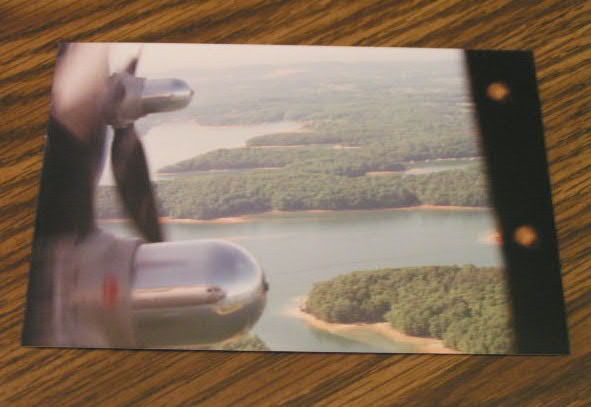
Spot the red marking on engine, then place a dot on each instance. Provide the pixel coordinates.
(110, 290)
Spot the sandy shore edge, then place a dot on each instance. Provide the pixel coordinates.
(254, 216)
(422, 344)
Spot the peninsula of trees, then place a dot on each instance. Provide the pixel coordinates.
(465, 306)
(210, 196)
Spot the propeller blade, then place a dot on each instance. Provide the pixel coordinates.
(130, 169)
(132, 66)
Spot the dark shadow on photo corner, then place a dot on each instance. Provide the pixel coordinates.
(504, 89)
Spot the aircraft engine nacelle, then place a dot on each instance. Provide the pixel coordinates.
(214, 290)
(124, 293)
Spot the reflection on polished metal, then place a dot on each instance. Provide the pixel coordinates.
(116, 292)
(130, 98)
(194, 293)
(178, 296)
(165, 95)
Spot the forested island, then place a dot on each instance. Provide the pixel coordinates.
(465, 306)
(340, 158)
(351, 163)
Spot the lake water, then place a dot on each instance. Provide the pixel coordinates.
(298, 249)
(430, 166)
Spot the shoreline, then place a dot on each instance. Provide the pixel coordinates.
(422, 344)
(300, 128)
(254, 216)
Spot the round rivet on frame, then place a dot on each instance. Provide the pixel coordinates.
(498, 91)
(526, 236)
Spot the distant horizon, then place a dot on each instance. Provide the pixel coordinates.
(157, 59)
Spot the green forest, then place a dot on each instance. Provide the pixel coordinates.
(465, 306)
(210, 196)
(357, 121)
(351, 163)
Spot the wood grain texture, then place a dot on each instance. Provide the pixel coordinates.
(558, 31)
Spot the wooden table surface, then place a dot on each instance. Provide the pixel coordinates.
(558, 31)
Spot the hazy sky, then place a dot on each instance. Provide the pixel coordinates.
(161, 58)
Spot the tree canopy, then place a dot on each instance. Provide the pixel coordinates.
(301, 187)
(465, 306)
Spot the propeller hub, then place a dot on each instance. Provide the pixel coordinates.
(130, 98)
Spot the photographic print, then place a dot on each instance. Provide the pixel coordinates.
(287, 198)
